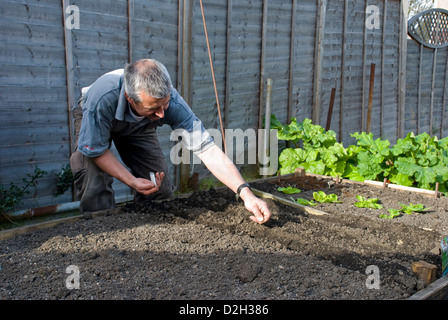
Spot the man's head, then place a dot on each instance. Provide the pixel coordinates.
(148, 87)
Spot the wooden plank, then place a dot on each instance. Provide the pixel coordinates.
(419, 94)
(343, 75)
(383, 58)
(433, 80)
(290, 203)
(228, 79)
(11, 233)
(70, 79)
(438, 290)
(291, 61)
(445, 86)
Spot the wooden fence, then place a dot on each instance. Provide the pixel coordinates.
(310, 49)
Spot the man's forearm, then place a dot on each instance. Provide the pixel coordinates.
(111, 165)
(221, 167)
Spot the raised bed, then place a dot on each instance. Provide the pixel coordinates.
(205, 247)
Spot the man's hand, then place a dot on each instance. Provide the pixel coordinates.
(256, 206)
(147, 187)
(222, 168)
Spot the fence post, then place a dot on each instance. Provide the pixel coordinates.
(186, 64)
(70, 83)
(318, 60)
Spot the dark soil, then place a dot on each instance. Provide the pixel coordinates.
(206, 247)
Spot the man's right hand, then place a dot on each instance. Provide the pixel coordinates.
(110, 164)
(147, 187)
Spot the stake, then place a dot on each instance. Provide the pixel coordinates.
(330, 110)
(369, 109)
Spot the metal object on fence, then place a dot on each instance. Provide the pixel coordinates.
(430, 28)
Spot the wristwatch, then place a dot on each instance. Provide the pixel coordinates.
(241, 187)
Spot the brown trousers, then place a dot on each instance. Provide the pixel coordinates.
(140, 152)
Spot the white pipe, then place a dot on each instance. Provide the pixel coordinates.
(267, 120)
(63, 207)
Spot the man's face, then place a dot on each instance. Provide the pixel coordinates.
(150, 107)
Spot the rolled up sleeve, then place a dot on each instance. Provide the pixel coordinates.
(94, 137)
(180, 116)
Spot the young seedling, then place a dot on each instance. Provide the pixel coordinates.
(321, 197)
(367, 203)
(411, 208)
(418, 208)
(289, 190)
(393, 213)
(304, 202)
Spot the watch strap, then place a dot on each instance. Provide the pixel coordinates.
(244, 185)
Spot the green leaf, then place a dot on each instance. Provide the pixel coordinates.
(289, 190)
(401, 179)
(393, 214)
(368, 165)
(316, 167)
(368, 203)
(374, 146)
(411, 208)
(352, 173)
(404, 146)
(406, 166)
(426, 177)
(290, 159)
(304, 202)
(321, 197)
(275, 123)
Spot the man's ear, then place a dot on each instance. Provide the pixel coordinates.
(127, 97)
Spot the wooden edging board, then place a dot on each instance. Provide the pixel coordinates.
(10, 233)
(377, 184)
(266, 195)
(438, 290)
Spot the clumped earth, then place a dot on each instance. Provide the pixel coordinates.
(206, 247)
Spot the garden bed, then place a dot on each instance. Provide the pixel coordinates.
(206, 247)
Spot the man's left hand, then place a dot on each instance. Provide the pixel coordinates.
(258, 207)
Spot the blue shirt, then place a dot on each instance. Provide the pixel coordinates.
(106, 111)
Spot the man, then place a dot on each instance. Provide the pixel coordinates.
(125, 107)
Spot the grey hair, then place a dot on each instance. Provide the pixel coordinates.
(148, 76)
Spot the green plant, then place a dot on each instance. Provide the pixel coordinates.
(289, 190)
(320, 152)
(367, 203)
(11, 197)
(304, 202)
(420, 161)
(393, 214)
(321, 197)
(64, 180)
(411, 208)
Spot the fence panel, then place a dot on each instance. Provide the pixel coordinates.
(306, 47)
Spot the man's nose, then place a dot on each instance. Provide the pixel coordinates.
(160, 113)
